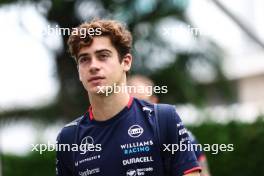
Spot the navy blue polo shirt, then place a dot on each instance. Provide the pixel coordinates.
(200, 155)
(124, 145)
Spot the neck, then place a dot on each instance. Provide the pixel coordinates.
(106, 107)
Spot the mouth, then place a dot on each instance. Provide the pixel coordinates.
(95, 78)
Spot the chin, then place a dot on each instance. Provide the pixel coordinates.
(96, 91)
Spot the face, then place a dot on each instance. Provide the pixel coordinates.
(99, 66)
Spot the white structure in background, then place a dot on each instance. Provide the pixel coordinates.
(244, 60)
(246, 67)
(27, 75)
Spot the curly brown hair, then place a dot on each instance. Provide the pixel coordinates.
(120, 37)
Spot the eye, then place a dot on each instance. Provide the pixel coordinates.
(103, 56)
(82, 60)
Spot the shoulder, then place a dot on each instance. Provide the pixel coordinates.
(167, 111)
(74, 122)
(68, 130)
(143, 104)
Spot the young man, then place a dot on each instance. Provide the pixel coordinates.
(139, 81)
(119, 132)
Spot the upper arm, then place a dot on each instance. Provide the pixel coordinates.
(183, 159)
(62, 168)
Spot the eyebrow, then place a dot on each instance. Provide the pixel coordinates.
(83, 54)
(96, 52)
(103, 50)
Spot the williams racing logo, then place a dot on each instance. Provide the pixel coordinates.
(137, 147)
(135, 131)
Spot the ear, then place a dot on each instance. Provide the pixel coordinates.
(127, 62)
(80, 77)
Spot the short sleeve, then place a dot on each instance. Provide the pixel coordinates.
(183, 159)
(198, 151)
(62, 169)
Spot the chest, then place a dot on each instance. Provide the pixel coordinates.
(128, 147)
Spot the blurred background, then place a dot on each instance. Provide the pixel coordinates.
(210, 54)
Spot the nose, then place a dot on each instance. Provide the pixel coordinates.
(94, 66)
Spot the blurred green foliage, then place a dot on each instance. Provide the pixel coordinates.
(33, 164)
(246, 159)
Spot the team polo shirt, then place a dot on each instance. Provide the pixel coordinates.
(124, 145)
(200, 155)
